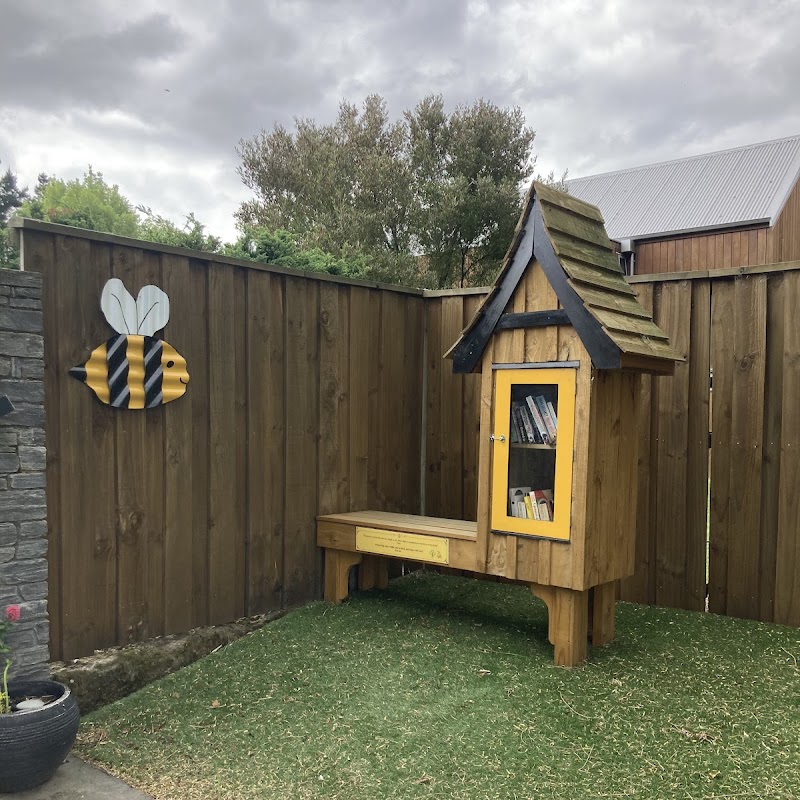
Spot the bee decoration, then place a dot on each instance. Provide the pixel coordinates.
(134, 369)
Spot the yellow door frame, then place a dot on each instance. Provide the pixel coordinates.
(565, 379)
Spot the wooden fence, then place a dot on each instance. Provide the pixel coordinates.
(734, 497)
(305, 397)
(309, 394)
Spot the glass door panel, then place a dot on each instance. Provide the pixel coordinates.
(534, 414)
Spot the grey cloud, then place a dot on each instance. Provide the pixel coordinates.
(92, 69)
(604, 85)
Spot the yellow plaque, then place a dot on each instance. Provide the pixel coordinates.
(413, 546)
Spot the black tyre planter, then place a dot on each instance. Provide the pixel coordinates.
(33, 744)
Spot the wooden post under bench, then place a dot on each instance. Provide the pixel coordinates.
(337, 572)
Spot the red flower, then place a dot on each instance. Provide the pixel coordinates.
(12, 613)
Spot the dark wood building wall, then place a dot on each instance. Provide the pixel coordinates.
(745, 247)
(786, 233)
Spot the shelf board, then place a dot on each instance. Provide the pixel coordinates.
(526, 446)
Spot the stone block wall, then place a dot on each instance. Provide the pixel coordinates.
(23, 508)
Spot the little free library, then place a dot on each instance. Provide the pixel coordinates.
(560, 343)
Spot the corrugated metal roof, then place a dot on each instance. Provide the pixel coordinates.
(742, 186)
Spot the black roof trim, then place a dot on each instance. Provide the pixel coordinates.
(535, 242)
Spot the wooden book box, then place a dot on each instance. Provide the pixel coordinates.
(560, 343)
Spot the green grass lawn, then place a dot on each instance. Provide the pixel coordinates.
(444, 687)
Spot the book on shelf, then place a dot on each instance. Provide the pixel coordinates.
(513, 433)
(552, 414)
(538, 422)
(516, 499)
(537, 437)
(517, 424)
(544, 409)
(527, 424)
(534, 508)
(544, 503)
(529, 509)
(527, 503)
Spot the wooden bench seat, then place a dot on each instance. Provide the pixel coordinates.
(371, 538)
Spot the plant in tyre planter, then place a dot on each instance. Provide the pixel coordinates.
(38, 724)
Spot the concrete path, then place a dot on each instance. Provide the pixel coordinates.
(77, 780)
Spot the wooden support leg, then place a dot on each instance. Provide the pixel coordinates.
(603, 612)
(337, 570)
(373, 573)
(547, 595)
(568, 620)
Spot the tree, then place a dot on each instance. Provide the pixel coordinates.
(282, 249)
(155, 228)
(12, 197)
(433, 197)
(91, 203)
(88, 203)
(467, 169)
(340, 186)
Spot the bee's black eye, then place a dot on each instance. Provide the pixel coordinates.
(170, 364)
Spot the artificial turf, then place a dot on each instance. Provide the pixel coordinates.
(444, 687)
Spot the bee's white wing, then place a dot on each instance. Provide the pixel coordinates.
(119, 306)
(152, 310)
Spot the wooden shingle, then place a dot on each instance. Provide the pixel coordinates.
(568, 240)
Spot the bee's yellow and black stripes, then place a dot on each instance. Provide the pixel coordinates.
(94, 373)
(128, 371)
(153, 372)
(119, 371)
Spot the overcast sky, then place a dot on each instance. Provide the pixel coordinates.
(156, 95)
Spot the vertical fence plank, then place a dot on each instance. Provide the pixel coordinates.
(672, 430)
(152, 448)
(451, 412)
(747, 419)
(640, 587)
(390, 405)
(773, 404)
(334, 398)
(266, 441)
(239, 498)
(471, 423)
(413, 365)
(222, 445)
(374, 497)
(302, 568)
(787, 573)
(198, 396)
(697, 450)
(722, 360)
(433, 430)
(359, 365)
(187, 336)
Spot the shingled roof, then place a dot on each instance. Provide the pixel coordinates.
(567, 237)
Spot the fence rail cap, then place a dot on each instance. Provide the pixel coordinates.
(727, 272)
(19, 224)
